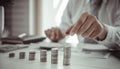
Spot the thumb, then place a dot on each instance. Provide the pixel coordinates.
(68, 30)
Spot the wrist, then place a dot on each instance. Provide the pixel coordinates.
(102, 35)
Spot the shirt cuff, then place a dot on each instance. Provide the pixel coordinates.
(110, 35)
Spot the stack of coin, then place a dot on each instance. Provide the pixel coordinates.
(67, 55)
(21, 55)
(43, 54)
(11, 55)
(54, 56)
(31, 55)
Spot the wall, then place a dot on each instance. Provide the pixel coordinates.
(32, 16)
(51, 13)
(48, 14)
(20, 17)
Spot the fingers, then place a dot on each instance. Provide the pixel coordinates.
(87, 26)
(79, 23)
(90, 31)
(47, 32)
(54, 34)
(50, 33)
(68, 30)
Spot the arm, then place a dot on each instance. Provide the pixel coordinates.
(113, 36)
(88, 26)
(109, 35)
(66, 18)
(57, 33)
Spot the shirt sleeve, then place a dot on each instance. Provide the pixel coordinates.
(66, 18)
(112, 39)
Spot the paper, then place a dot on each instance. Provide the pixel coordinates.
(51, 45)
(94, 51)
(91, 54)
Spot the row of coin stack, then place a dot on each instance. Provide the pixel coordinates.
(43, 55)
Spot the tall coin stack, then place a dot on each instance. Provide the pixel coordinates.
(67, 55)
(43, 54)
(31, 55)
(54, 56)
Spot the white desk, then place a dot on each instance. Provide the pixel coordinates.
(77, 61)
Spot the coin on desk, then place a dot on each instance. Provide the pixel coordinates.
(43, 55)
(31, 55)
(11, 55)
(21, 55)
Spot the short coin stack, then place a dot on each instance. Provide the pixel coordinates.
(31, 55)
(67, 55)
(43, 54)
(11, 55)
(54, 56)
(21, 55)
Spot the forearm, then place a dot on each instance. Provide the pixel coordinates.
(111, 38)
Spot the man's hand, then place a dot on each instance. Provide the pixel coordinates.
(54, 34)
(88, 26)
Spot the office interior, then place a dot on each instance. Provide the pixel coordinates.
(33, 17)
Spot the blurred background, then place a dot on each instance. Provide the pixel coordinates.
(32, 16)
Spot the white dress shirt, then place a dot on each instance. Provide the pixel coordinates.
(108, 14)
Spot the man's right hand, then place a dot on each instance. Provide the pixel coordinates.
(54, 34)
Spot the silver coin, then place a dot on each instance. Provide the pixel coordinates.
(11, 55)
(21, 55)
(43, 54)
(31, 55)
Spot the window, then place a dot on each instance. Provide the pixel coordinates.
(47, 14)
(51, 13)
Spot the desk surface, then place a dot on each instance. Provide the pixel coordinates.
(78, 61)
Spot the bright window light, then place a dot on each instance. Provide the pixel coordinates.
(56, 3)
(72, 39)
(60, 11)
(31, 17)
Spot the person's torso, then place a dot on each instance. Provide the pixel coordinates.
(106, 13)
